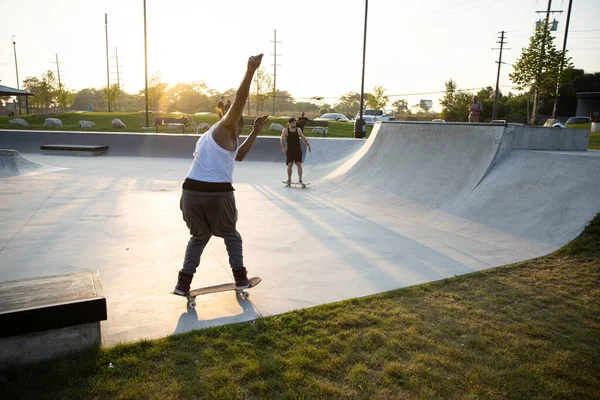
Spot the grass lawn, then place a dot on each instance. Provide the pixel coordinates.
(594, 141)
(525, 331)
(135, 122)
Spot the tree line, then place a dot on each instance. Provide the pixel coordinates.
(539, 71)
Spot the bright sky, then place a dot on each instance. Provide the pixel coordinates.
(412, 47)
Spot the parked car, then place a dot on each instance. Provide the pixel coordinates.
(578, 120)
(369, 120)
(371, 116)
(333, 117)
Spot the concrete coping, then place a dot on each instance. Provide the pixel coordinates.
(51, 302)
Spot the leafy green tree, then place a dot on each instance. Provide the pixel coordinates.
(378, 99)
(112, 94)
(538, 67)
(348, 104)
(262, 89)
(43, 90)
(85, 97)
(401, 106)
(455, 104)
(326, 108)
(156, 92)
(64, 97)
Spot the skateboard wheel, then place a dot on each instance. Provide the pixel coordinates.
(192, 304)
(245, 295)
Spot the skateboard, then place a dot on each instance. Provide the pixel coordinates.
(304, 185)
(192, 294)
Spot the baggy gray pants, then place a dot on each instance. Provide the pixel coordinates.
(208, 214)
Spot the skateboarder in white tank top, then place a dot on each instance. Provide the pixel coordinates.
(207, 201)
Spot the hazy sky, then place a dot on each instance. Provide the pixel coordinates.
(412, 46)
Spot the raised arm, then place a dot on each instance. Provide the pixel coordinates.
(257, 127)
(235, 111)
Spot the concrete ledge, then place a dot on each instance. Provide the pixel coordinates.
(539, 138)
(74, 149)
(52, 315)
(35, 347)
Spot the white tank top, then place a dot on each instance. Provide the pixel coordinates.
(212, 163)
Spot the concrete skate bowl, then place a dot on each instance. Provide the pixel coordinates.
(489, 183)
(13, 164)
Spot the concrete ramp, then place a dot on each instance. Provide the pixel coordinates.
(12, 164)
(471, 180)
(418, 168)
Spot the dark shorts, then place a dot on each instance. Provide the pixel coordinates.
(293, 156)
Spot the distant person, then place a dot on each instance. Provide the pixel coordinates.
(302, 120)
(475, 110)
(290, 146)
(221, 108)
(227, 105)
(207, 200)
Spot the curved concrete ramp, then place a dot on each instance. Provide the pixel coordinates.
(418, 166)
(469, 180)
(12, 164)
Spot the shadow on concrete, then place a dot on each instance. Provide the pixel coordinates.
(190, 320)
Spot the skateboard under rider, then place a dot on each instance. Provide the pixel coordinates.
(302, 184)
(192, 294)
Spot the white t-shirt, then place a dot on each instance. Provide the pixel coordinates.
(212, 163)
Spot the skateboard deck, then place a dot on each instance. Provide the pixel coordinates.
(192, 294)
(303, 185)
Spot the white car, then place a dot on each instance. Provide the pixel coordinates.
(578, 120)
(333, 117)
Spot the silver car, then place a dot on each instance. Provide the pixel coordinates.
(333, 117)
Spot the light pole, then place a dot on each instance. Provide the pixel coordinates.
(146, 64)
(17, 69)
(359, 124)
(107, 67)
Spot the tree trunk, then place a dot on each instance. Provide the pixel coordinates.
(535, 106)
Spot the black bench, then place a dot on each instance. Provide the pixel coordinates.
(183, 122)
(44, 317)
(74, 149)
(310, 124)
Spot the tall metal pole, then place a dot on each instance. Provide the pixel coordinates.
(17, 69)
(498, 76)
(562, 62)
(118, 76)
(359, 125)
(146, 64)
(274, 68)
(107, 67)
(58, 70)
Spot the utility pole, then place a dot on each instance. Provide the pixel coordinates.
(118, 74)
(562, 61)
(502, 43)
(542, 55)
(17, 69)
(60, 87)
(274, 67)
(58, 70)
(107, 67)
(146, 64)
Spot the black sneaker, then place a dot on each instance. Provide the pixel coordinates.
(241, 278)
(183, 283)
